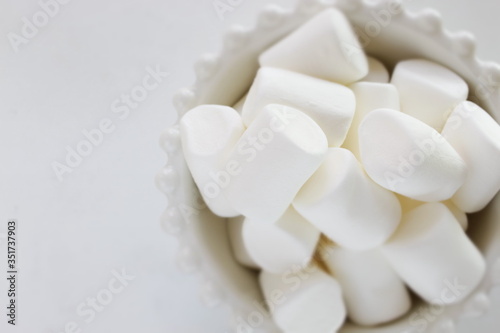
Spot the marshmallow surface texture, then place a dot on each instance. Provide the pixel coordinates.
(374, 294)
(277, 247)
(428, 91)
(434, 256)
(346, 205)
(476, 137)
(376, 72)
(275, 156)
(330, 104)
(369, 96)
(325, 47)
(304, 302)
(407, 156)
(209, 133)
(240, 251)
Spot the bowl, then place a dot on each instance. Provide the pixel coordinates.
(388, 32)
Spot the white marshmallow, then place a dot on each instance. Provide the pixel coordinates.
(304, 302)
(376, 72)
(277, 247)
(347, 206)
(275, 156)
(434, 256)
(240, 251)
(408, 204)
(239, 105)
(324, 47)
(428, 91)
(209, 133)
(330, 104)
(374, 294)
(369, 96)
(407, 156)
(476, 137)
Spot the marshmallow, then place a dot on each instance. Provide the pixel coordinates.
(325, 47)
(289, 242)
(374, 294)
(476, 137)
(434, 256)
(275, 156)
(369, 96)
(428, 91)
(330, 104)
(304, 301)
(347, 206)
(239, 105)
(235, 232)
(376, 72)
(209, 133)
(407, 156)
(408, 204)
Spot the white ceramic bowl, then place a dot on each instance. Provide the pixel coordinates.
(389, 33)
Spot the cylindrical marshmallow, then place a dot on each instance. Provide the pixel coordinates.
(305, 301)
(369, 96)
(407, 156)
(209, 133)
(476, 137)
(346, 205)
(374, 294)
(240, 251)
(376, 72)
(277, 247)
(428, 91)
(330, 104)
(325, 47)
(434, 256)
(275, 156)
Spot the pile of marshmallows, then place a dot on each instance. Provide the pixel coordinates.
(326, 145)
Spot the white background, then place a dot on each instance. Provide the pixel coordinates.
(104, 215)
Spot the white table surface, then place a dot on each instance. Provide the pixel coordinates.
(104, 215)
